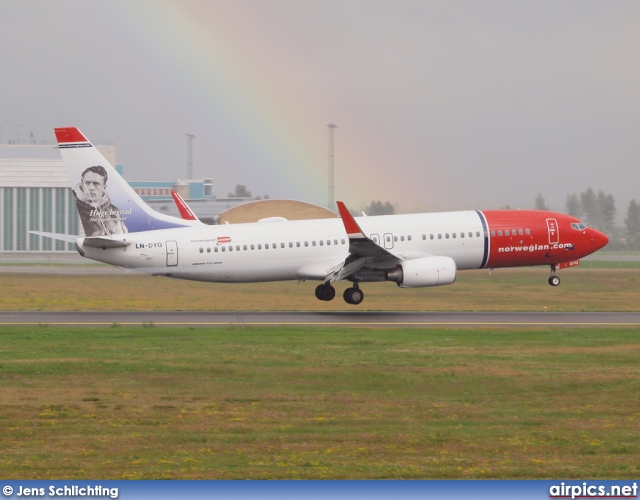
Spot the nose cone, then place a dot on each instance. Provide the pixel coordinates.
(598, 240)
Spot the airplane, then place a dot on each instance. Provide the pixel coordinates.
(185, 212)
(412, 250)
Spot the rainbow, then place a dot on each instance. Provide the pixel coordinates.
(244, 81)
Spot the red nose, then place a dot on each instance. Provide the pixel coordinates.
(598, 239)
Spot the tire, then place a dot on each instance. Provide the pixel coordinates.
(554, 281)
(353, 296)
(325, 292)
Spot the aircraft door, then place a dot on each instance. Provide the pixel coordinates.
(388, 240)
(172, 253)
(554, 232)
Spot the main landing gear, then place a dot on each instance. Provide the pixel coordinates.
(351, 295)
(553, 279)
(325, 292)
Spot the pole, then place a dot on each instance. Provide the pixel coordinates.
(190, 138)
(332, 127)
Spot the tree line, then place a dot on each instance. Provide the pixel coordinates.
(598, 210)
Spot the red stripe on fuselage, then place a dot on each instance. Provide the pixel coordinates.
(534, 238)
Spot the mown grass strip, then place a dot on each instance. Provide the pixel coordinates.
(133, 402)
(502, 290)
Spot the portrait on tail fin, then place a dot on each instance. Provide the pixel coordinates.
(98, 215)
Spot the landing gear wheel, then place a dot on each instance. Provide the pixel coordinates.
(554, 280)
(325, 292)
(353, 296)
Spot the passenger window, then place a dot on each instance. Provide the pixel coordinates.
(493, 233)
(223, 249)
(499, 232)
(461, 235)
(244, 247)
(439, 236)
(298, 244)
(215, 249)
(321, 243)
(520, 232)
(313, 243)
(231, 248)
(431, 236)
(401, 238)
(290, 244)
(395, 238)
(446, 235)
(409, 238)
(528, 231)
(201, 250)
(306, 243)
(453, 234)
(335, 242)
(506, 232)
(342, 240)
(478, 234)
(259, 246)
(208, 250)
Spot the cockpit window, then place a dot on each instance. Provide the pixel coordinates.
(578, 226)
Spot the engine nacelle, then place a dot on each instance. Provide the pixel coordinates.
(425, 271)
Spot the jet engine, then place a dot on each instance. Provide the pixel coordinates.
(425, 271)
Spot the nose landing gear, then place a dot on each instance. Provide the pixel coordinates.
(553, 279)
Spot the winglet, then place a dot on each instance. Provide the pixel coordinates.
(185, 211)
(350, 225)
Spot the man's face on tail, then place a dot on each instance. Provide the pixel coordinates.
(94, 185)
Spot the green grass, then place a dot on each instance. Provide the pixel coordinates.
(503, 290)
(254, 403)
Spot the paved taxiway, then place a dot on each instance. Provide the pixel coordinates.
(350, 318)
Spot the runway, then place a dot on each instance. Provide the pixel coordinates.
(337, 319)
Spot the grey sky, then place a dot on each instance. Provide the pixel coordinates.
(440, 105)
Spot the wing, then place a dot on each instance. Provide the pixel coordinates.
(363, 252)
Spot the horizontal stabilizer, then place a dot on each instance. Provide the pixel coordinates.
(104, 242)
(69, 238)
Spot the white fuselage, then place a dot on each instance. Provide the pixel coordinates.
(288, 250)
